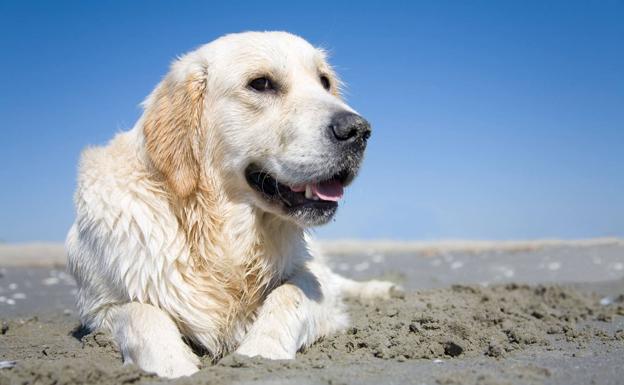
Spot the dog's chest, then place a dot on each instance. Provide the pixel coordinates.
(230, 274)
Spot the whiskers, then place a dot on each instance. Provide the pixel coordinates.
(265, 174)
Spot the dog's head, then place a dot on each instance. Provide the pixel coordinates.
(264, 111)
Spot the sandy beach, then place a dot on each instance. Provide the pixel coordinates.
(472, 313)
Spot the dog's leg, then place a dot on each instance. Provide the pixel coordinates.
(148, 338)
(349, 288)
(294, 315)
(367, 290)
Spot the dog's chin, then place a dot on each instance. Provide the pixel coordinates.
(310, 215)
(310, 203)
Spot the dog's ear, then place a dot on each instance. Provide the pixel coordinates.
(172, 127)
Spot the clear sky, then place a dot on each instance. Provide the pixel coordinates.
(492, 119)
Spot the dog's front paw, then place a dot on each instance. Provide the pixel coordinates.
(266, 347)
(380, 289)
(176, 368)
(167, 362)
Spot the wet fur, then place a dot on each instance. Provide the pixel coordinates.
(169, 243)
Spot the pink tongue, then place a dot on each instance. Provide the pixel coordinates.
(328, 191)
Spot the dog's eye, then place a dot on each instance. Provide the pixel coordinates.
(262, 84)
(325, 82)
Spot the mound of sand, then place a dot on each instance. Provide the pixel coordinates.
(468, 321)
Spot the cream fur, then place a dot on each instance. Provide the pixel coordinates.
(170, 242)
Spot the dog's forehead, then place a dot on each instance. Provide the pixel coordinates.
(261, 49)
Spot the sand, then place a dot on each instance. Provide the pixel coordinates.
(505, 333)
(457, 323)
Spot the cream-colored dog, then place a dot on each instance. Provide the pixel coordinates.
(192, 224)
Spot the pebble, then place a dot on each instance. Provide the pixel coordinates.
(457, 265)
(554, 266)
(378, 258)
(7, 364)
(505, 271)
(508, 273)
(343, 266)
(361, 266)
(606, 301)
(50, 281)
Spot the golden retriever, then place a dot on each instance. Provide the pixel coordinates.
(191, 227)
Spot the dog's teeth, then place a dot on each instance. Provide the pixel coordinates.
(308, 192)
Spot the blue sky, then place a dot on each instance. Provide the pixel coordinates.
(492, 119)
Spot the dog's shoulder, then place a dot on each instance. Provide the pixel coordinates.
(118, 161)
(116, 186)
(124, 226)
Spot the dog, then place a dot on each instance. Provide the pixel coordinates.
(190, 228)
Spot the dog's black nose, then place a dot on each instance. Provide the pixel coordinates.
(347, 127)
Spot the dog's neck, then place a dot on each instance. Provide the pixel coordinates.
(250, 249)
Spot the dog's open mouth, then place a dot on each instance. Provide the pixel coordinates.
(320, 195)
